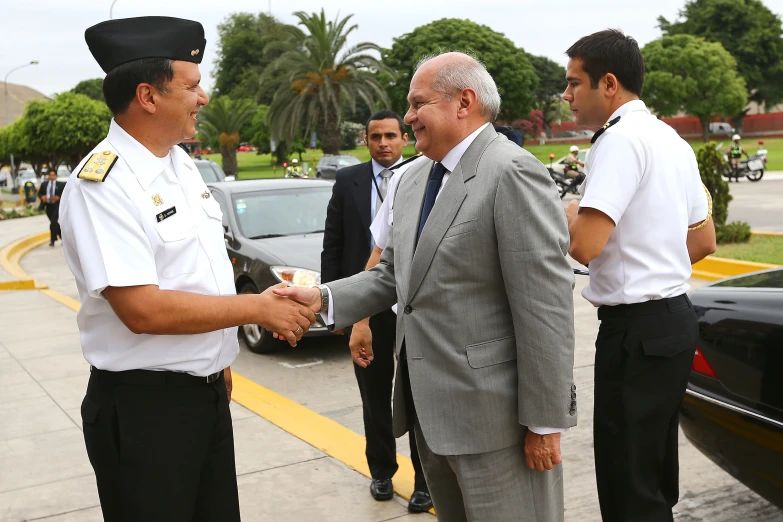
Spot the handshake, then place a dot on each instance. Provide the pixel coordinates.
(288, 311)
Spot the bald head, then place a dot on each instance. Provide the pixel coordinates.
(450, 96)
(455, 71)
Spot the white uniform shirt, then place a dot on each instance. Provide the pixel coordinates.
(645, 177)
(113, 236)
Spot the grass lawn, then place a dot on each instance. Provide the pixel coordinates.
(253, 165)
(761, 249)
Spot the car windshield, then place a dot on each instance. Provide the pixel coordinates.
(347, 161)
(28, 174)
(207, 172)
(275, 213)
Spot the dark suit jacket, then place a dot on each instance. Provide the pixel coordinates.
(347, 239)
(44, 188)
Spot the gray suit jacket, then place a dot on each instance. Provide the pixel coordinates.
(485, 301)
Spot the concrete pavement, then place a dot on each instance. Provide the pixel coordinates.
(44, 470)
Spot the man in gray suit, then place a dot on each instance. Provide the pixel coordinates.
(485, 337)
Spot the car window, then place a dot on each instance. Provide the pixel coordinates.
(347, 161)
(772, 279)
(207, 174)
(281, 212)
(582, 155)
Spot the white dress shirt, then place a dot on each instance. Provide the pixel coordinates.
(113, 235)
(645, 177)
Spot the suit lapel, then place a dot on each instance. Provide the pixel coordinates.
(445, 210)
(407, 209)
(446, 207)
(362, 194)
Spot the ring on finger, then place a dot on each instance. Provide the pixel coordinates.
(298, 329)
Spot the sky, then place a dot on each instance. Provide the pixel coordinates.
(52, 31)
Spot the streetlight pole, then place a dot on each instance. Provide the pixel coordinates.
(8, 115)
(111, 10)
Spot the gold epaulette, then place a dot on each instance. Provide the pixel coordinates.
(98, 166)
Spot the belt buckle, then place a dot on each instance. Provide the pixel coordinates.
(212, 378)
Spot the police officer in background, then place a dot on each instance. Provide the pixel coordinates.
(144, 240)
(643, 220)
(735, 157)
(572, 163)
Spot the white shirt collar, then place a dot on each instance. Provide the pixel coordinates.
(377, 168)
(143, 163)
(451, 160)
(631, 106)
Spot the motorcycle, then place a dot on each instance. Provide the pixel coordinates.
(301, 172)
(566, 185)
(752, 168)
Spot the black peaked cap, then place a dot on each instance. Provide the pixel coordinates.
(120, 41)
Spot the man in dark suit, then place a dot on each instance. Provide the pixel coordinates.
(50, 194)
(357, 196)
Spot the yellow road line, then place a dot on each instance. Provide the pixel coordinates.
(18, 284)
(324, 434)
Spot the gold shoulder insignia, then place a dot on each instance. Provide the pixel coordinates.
(603, 129)
(98, 166)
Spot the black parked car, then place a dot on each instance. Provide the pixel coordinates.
(274, 232)
(733, 408)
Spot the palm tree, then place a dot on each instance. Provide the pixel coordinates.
(222, 120)
(318, 83)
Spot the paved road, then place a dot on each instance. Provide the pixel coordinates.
(318, 374)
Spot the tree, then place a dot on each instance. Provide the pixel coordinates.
(509, 66)
(690, 74)
(748, 30)
(93, 89)
(261, 136)
(222, 120)
(711, 168)
(321, 76)
(349, 134)
(241, 59)
(551, 84)
(51, 131)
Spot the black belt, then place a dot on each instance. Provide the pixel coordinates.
(152, 378)
(656, 306)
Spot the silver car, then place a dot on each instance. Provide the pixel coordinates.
(329, 164)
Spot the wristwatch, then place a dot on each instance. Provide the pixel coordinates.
(324, 299)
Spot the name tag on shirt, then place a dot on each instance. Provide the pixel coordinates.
(167, 214)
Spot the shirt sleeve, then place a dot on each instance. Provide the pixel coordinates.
(697, 198)
(109, 238)
(547, 431)
(615, 171)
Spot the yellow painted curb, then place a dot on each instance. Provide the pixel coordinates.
(12, 254)
(713, 268)
(325, 434)
(768, 234)
(19, 284)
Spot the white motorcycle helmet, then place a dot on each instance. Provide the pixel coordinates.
(736, 137)
(574, 148)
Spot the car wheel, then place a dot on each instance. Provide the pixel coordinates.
(257, 339)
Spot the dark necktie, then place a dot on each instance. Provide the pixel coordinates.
(433, 186)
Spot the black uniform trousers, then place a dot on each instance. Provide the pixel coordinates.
(162, 447)
(53, 213)
(644, 353)
(375, 386)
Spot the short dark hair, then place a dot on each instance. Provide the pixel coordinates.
(611, 51)
(50, 170)
(386, 114)
(119, 86)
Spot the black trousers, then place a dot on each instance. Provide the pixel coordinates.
(643, 358)
(53, 213)
(375, 386)
(162, 447)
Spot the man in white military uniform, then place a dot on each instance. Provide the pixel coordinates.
(643, 220)
(144, 240)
